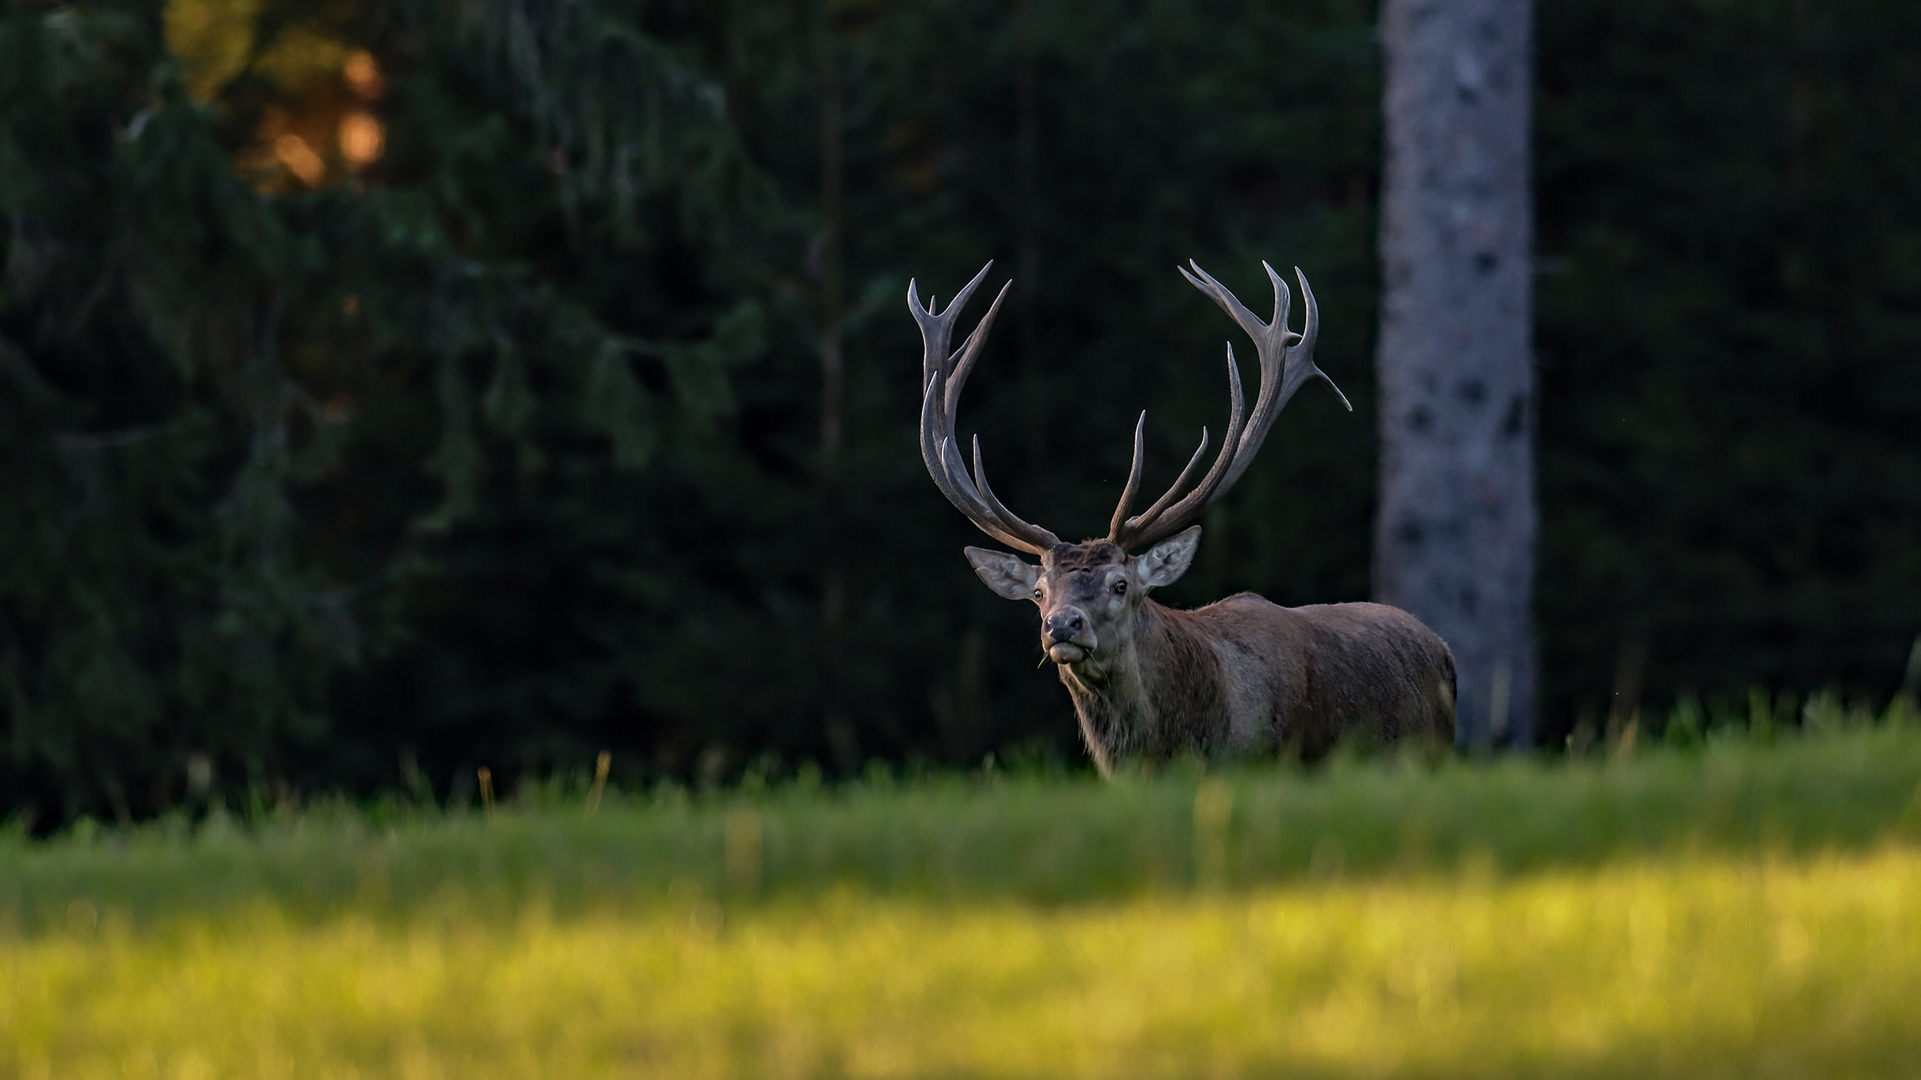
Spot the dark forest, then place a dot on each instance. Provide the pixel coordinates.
(388, 390)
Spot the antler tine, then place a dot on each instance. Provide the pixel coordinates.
(1286, 362)
(1133, 477)
(1148, 516)
(1296, 364)
(944, 375)
(937, 330)
(1236, 310)
(1310, 333)
(1162, 520)
(970, 351)
(935, 450)
(1045, 540)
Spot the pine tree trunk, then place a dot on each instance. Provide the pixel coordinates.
(1454, 540)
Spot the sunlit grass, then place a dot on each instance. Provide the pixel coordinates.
(1681, 967)
(1742, 909)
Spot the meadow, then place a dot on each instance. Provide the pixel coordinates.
(1749, 905)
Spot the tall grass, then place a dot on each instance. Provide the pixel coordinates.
(1740, 907)
(1033, 838)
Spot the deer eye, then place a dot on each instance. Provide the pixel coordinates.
(1120, 587)
(1037, 592)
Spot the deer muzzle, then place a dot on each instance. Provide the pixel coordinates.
(1066, 636)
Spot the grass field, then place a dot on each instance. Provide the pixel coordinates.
(1740, 909)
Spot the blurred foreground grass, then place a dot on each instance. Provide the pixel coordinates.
(1740, 909)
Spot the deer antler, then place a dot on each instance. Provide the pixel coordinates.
(1285, 365)
(944, 375)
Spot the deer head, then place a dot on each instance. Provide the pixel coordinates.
(1088, 592)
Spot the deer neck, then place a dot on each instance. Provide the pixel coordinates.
(1117, 693)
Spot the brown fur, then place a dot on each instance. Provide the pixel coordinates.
(1244, 676)
(1091, 555)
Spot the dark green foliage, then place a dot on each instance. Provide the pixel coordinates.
(152, 599)
(507, 450)
(1730, 311)
(263, 448)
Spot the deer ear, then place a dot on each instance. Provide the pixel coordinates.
(1165, 562)
(1006, 574)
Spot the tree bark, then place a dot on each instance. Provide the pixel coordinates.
(1454, 539)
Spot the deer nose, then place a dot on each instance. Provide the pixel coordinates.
(1064, 627)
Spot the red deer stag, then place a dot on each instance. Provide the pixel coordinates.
(1236, 677)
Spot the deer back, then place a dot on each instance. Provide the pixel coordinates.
(1244, 676)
